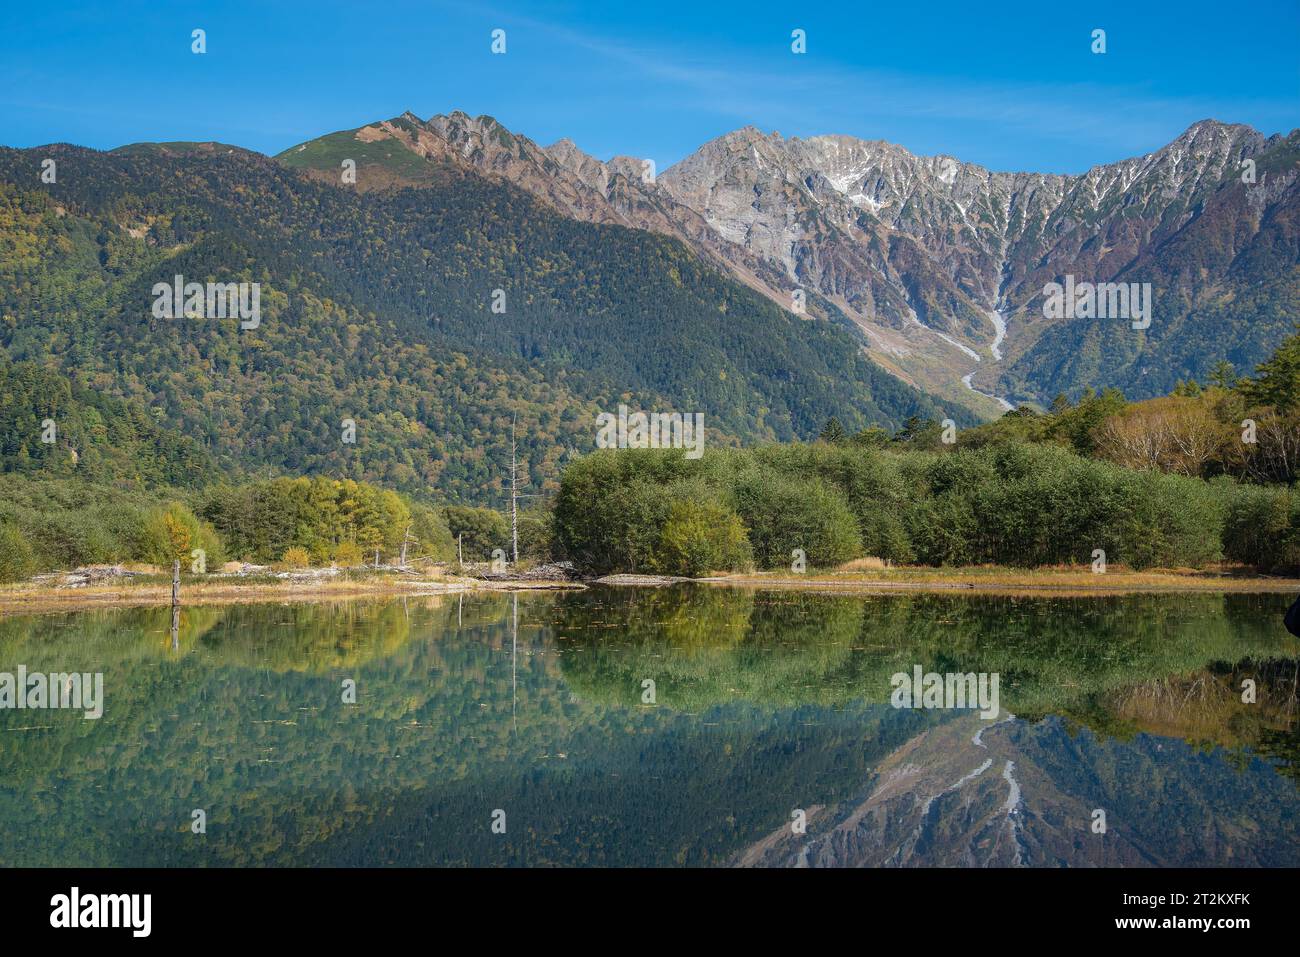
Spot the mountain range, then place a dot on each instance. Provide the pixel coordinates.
(939, 265)
(467, 277)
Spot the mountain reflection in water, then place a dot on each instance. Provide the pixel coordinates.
(680, 726)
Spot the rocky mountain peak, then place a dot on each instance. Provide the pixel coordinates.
(940, 263)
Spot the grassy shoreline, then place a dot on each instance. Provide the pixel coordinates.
(26, 597)
(1063, 582)
(1060, 582)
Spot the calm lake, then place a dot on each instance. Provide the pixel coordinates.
(681, 726)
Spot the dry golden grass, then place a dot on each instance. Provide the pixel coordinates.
(27, 597)
(862, 575)
(862, 564)
(1070, 580)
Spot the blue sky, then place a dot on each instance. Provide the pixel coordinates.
(1010, 86)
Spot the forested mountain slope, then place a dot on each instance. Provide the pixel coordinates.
(940, 263)
(377, 307)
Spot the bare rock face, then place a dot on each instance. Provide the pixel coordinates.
(942, 264)
(936, 258)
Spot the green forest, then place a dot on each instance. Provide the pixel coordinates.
(49, 524)
(378, 308)
(1198, 477)
(1202, 476)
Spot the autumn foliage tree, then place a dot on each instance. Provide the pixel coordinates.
(1179, 434)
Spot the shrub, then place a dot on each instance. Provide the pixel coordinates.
(348, 554)
(1005, 502)
(483, 529)
(15, 555)
(701, 537)
(1262, 527)
(173, 532)
(609, 512)
(432, 537)
(784, 513)
(536, 533)
(71, 538)
(260, 520)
